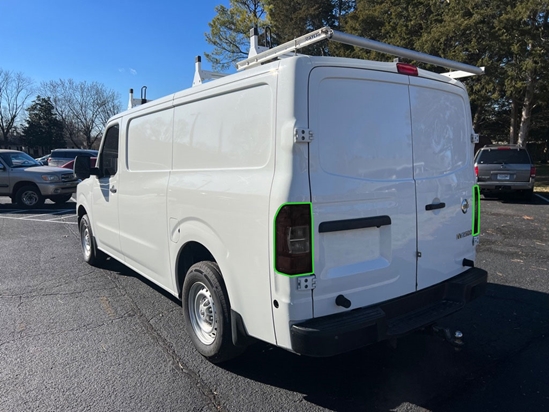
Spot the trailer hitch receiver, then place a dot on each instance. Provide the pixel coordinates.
(455, 339)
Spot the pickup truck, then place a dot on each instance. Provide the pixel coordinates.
(29, 184)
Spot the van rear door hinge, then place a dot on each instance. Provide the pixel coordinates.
(306, 282)
(302, 135)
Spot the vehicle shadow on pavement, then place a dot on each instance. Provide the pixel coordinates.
(44, 209)
(508, 198)
(120, 269)
(502, 367)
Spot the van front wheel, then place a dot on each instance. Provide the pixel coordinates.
(91, 254)
(206, 310)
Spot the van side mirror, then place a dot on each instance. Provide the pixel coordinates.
(82, 168)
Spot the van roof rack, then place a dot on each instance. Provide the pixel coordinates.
(200, 75)
(137, 102)
(326, 33)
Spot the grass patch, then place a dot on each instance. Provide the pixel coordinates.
(542, 177)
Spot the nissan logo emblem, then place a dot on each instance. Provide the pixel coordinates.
(464, 206)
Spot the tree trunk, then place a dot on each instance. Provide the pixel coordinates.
(477, 118)
(513, 129)
(526, 111)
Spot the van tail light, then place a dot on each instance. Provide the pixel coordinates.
(476, 171)
(533, 171)
(407, 69)
(294, 240)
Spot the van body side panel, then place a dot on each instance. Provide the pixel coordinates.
(290, 185)
(144, 178)
(363, 192)
(443, 170)
(218, 196)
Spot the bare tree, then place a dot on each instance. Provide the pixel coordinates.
(15, 90)
(83, 108)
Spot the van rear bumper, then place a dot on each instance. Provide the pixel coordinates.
(343, 332)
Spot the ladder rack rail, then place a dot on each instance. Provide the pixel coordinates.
(327, 33)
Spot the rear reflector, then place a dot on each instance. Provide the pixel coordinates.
(476, 211)
(407, 69)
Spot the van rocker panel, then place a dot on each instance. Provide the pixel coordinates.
(342, 332)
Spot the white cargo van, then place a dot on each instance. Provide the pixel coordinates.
(319, 204)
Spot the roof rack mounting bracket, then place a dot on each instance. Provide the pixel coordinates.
(200, 76)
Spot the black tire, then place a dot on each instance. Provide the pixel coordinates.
(91, 254)
(29, 197)
(207, 311)
(60, 199)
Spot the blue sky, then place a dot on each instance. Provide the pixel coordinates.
(121, 43)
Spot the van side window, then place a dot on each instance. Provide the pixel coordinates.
(109, 152)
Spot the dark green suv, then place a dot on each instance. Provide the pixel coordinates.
(503, 169)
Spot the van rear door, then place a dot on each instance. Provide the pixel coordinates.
(443, 171)
(362, 187)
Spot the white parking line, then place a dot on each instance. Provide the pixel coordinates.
(47, 215)
(542, 197)
(38, 220)
(58, 218)
(30, 216)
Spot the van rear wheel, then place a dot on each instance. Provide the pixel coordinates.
(206, 310)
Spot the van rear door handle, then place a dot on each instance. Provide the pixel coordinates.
(112, 189)
(434, 206)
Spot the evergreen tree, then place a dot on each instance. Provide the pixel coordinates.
(43, 128)
(230, 31)
(508, 37)
(296, 18)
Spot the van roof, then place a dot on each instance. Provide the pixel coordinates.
(312, 61)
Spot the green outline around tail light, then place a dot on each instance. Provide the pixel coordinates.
(476, 211)
(312, 240)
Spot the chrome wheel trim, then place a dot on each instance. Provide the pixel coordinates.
(85, 238)
(29, 198)
(202, 313)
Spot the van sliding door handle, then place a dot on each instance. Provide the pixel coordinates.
(434, 206)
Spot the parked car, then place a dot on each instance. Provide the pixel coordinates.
(70, 165)
(28, 183)
(43, 160)
(505, 169)
(59, 157)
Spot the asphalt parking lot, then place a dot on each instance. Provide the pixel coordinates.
(78, 338)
